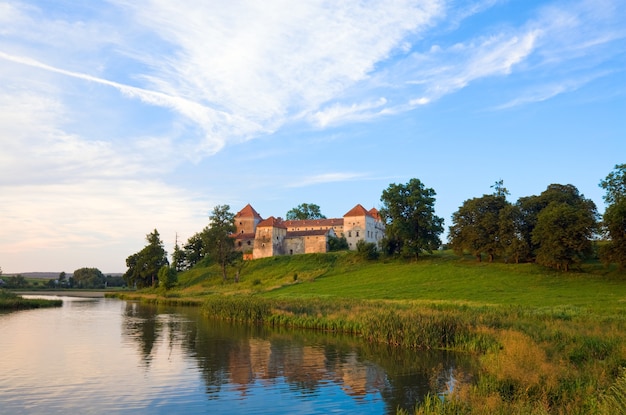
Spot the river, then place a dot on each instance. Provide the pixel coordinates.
(107, 356)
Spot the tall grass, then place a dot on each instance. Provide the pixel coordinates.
(11, 301)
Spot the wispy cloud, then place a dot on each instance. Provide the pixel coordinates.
(327, 178)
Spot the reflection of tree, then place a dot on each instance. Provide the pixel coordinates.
(140, 323)
(250, 356)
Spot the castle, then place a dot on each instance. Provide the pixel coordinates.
(259, 238)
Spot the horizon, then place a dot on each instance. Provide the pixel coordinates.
(118, 118)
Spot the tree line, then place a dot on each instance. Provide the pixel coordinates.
(556, 228)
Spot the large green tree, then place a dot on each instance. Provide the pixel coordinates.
(195, 250)
(88, 278)
(614, 218)
(408, 211)
(530, 207)
(563, 234)
(218, 237)
(561, 222)
(144, 266)
(305, 211)
(476, 226)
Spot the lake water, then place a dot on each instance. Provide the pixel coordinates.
(107, 356)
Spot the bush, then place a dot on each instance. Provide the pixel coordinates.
(367, 250)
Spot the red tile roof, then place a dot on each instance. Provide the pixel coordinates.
(311, 223)
(374, 212)
(358, 210)
(248, 212)
(271, 222)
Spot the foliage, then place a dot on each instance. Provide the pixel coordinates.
(143, 266)
(167, 277)
(218, 239)
(409, 215)
(614, 218)
(563, 234)
(564, 227)
(512, 244)
(195, 250)
(367, 250)
(615, 185)
(178, 257)
(305, 211)
(15, 281)
(337, 244)
(88, 278)
(476, 226)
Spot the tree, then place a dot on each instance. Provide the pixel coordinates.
(305, 211)
(178, 257)
(563, 233)
(88, 278)
(337, 243)
(143, 266)
(167, 277)
(409, 215)
(615, 185)
(531, 206)
(195, 250)
(218, 238)
(513, 244)
(614, 218)
(476, 226)
(62, 278)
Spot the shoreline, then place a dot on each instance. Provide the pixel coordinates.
(81, 294)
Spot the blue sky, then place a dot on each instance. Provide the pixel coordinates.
(118, 117)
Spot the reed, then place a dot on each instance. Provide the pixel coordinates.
(11, 301)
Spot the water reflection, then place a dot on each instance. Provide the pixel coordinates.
(241, 360)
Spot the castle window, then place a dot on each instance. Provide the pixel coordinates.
(248, 243)
(357, 234)
(349, 234)
(239, 243)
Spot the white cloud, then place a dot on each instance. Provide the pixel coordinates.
(269, 62)
(92, 216)
(354, 112)
(326, 178)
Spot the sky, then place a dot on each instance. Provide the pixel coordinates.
(118, 117)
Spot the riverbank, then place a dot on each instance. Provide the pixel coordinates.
(65, 293)
(11, 301)
(547, 342)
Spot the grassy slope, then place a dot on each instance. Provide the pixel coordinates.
(441, 277)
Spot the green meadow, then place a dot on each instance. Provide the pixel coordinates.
(546, 342)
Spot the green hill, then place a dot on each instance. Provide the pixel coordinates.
(441, 277)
